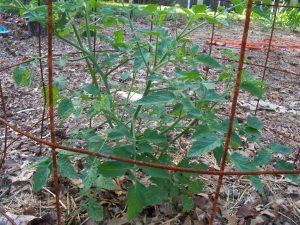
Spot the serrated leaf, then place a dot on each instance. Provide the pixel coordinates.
(114, 169)
(65, 108)
(254, 122)
(65, 167)
(208, 61)
(155, 195)
(88, 177)
(262, 158)
(94, 210)
(252, 88)
(242, 163)
(156, 172)
(218, 152)
(196, 186)
(104, 183)
(154, 137)
(187, 203)
(204, 144)
(118, 132)
(136, 200)
(22, 76)
(40, 176)
(91, 89)
(283, 165)
(157, 97)
(256, 182)
(278, 148)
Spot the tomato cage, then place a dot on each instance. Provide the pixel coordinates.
(264, 45)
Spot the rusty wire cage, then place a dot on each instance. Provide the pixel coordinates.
(54, 145)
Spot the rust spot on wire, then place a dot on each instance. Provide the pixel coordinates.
(233, 109)
(51, 113)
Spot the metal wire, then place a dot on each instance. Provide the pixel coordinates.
(233, 109)
(54, 145)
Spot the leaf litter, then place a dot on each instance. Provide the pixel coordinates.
(239, 203)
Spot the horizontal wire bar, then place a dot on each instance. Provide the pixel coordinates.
(148, 164)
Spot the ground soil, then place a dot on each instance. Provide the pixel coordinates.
(239, 201)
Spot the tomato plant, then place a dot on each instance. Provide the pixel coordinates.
(174, 101)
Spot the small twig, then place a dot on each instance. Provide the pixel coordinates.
(288, 218)
(2, 211)
(87, 219)
(50, 192)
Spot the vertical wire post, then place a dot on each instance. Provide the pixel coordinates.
(51, 111)
(233, 109)
(212, 35)
(42, 80)
(269, 49)
(3, 155)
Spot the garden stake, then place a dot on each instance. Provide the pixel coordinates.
(51, 113)
(233, 109)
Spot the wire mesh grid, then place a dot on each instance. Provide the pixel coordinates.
(54, 145)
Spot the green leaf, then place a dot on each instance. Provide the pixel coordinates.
(104, 183)
(150, 8)
(235, 140)
(136, 200)
(91, 89)
(196, 186)
(204, 144)
(88, 177)
(252, 88)
(156, 172)
(114, 169)
(188, 203)
(199, 8)
(40, 176)
(262, 158)
(208, 61)
(156, 195)
(157, 97)
(218, 152)
(94, 210)
(256, 182)
(22, 76)
(283, 165)
(118, 132)
(254, 122)
(119, 36)
(278, 148)
(154, 137)
(242, 163)
(56, 95)
(65, 167)
(65, 108)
